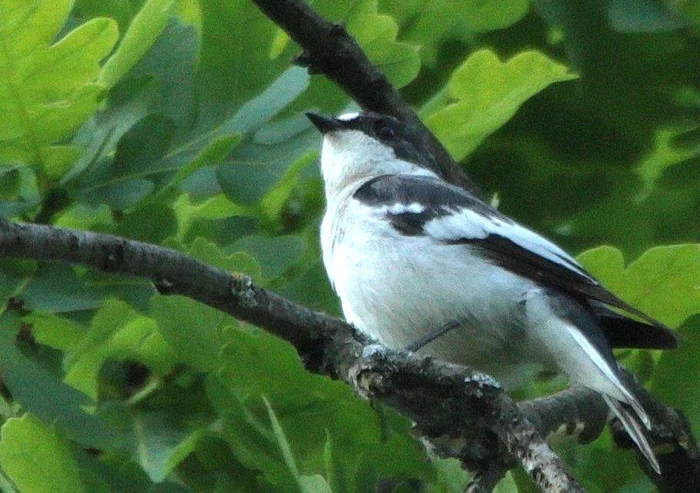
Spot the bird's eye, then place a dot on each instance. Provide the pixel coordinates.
(385, 133)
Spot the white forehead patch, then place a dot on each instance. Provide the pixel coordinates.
(346, 117)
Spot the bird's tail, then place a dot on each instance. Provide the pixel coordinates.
(633, 425)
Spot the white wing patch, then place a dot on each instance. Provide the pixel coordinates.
(462, 223)
(346, 117)
(467, 224)
(401, 208)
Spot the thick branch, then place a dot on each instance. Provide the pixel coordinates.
(451, 403)
(444, 400)
(464, 413)
(329, 49)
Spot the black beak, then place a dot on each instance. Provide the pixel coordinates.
(323, 124)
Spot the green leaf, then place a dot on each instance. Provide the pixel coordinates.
(108, 320)
(256, 166)
(127, 104)
(14, 275)
(485, 93)
(170, 68)
(120, 11)
(192, 215)
(47, 90)
(433, 23)
(191, 328)
(314, 484)
(140, 167)
(260, 109)
(244, 370)
(145, 143)
(690, 10)
(274, 254)
(10, 182)
(235, 62)
(215, 151)
(152, 223)
(116, 474)
(506, 485)
(117, 332)
(642, 16)
(46, 396)
(281, 439)
(376, 33)
(129, 178)
(160, 444)
(675, 375)
(20, 185)
(451, 478)
(661, 282)
(59, 288)
(251, 442)
(236, 262)
(163, 428)
(335, 468)
(277, 199)
(310, 408)
(215, 464)
(50, 467)
(55, 331)
(664, 155)
(161, 83)
(143, 31)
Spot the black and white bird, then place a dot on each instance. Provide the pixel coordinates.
(420, 263)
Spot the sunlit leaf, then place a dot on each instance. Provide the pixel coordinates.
(376, 33)
(428, 24)
(142, 33)
(662, 282)
(49, 468)
(47, 89)
(484, 93)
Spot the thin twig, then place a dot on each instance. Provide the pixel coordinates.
(330, 50)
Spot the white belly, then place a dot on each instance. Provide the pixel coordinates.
(398, 288)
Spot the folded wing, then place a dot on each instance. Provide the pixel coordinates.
(423, 205)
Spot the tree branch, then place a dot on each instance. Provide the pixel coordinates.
(464, 413)
(330, 50)
(444, 400)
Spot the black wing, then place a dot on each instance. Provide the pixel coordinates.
(503, 242)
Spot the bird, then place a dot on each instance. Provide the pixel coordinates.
(421, 264)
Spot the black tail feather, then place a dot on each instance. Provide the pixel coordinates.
(624, 332)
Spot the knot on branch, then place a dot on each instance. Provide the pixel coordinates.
(242, 290)
(113, 256)
(363, 375)
(163, 286)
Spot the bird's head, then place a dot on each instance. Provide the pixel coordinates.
(363, 145)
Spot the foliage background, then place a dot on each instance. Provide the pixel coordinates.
(180, 123)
